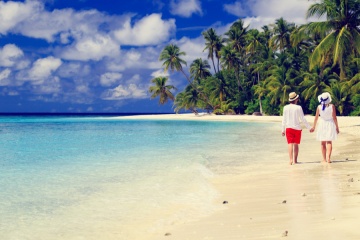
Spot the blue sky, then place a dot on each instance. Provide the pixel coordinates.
(100, 55)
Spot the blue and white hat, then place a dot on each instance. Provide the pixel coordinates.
(324, 98)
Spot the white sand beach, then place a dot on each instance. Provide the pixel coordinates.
(309, 200)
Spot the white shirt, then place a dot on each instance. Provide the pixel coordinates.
(292, 115)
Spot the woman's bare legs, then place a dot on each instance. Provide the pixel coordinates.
(328, 151)
(323, 150)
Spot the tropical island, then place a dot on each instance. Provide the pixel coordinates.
(250, 71)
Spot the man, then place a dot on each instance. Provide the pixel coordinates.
(292, 116)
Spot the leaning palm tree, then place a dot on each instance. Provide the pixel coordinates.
(171, 55)
(161, 90)
(341, 29)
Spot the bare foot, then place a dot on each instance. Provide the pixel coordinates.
(291, 163)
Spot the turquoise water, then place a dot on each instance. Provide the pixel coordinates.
(107, 178)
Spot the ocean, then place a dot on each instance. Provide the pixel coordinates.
(100, 177)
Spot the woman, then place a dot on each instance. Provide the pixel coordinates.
(327, 128)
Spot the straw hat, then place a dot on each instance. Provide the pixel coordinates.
(293, 96)
(324, 98)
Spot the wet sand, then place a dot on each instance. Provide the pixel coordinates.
(309, 200)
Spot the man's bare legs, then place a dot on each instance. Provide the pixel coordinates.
(293, 149)
(296, 152)
(290, 149)
(326, 149)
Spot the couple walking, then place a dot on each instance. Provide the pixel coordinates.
(327, 128)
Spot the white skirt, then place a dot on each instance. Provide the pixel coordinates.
(326, 130)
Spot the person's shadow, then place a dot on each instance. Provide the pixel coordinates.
(333, 161)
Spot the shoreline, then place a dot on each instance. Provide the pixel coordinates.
(309, 200)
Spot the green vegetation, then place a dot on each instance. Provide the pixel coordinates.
(254, 71)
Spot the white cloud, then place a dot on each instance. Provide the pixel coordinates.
(43, 68)
(13, 93)
(150, 30)
(93, 47)
(63, 25)
(185, 8)
(13, 13)
(194, 48)
(264, 12)
(82, 88)
(139, 58)
(109, 78)
(9, 55)
(121, 92)
(159, 73)
(46, 25)
(236, 9)
(49, 86)
(132, 89)
(4, 77)
(288, 9)
(71, 69)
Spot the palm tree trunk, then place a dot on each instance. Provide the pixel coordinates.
(258, 80)
(212, 60)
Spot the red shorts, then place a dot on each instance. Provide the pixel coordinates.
(293, 135)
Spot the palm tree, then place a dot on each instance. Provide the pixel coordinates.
(200, 69)
(230, 59)
(260, 90)
(341, 96)
(224, 108)
(341, 29)
(279, 85)
(281, 38)
(315, 82)
(254, 50)
(253, 43)
(236, 36)
(161, 90)
(187, 100)
(171, 55)
(217, 88)
(213, 44)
